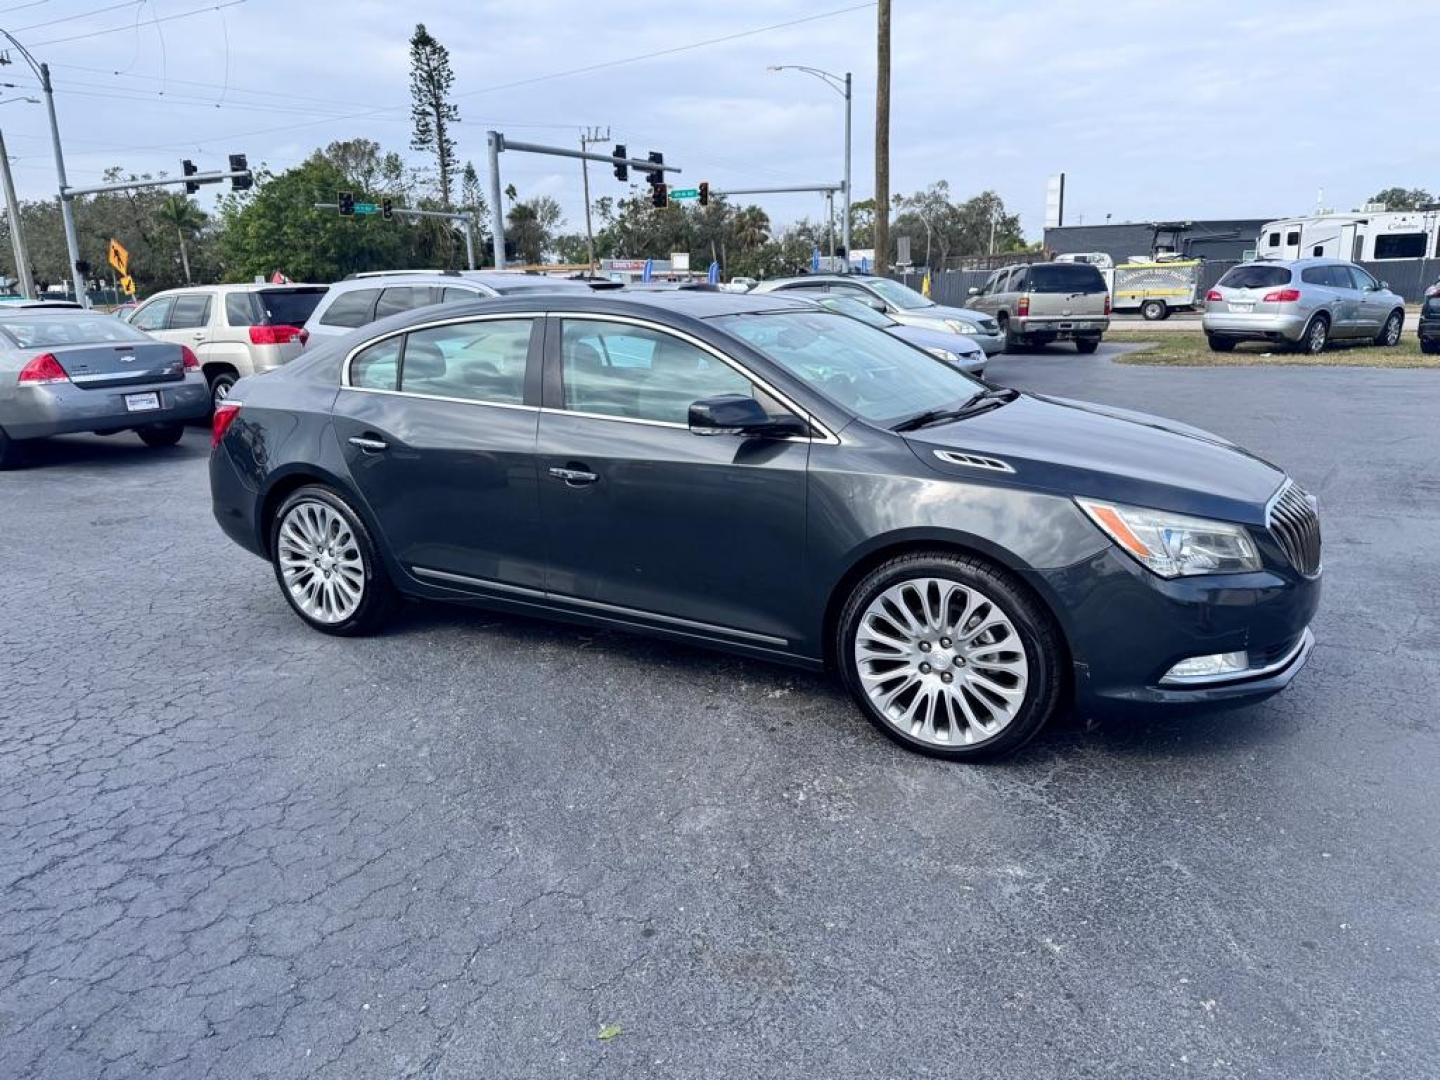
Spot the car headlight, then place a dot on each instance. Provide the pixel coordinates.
(960, 326)
(1173, 545)
(944, 354)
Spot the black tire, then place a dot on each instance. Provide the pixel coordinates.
(1044, 648)
(1390, 333)
(12, 451)
(1014, 342)
(378, 596)
(220, 386)
(1429, 346)
(1220, 344)
(1315, 338)
(1154, 310)
(159, 435)
(1086, 345)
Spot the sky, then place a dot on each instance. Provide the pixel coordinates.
(1154, 109)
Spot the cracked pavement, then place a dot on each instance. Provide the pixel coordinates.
(231, 847)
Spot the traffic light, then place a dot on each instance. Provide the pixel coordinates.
(188, 168)
(347, 203)
(239, 164)
(656, 176)
(704, 192)
(622, 171)
(387, 208)
(659, 195)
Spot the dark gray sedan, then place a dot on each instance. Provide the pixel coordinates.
(65, 371)
(757, 474)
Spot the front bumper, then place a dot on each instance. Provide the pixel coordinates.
(990, 343)
(35, 412)
(1264, 326)
(1128, 627)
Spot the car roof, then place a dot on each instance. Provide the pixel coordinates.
(231, 287)
(29, 311)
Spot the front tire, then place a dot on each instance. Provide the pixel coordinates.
(327, 564)
(948, 656)
(1389, 335)
(161, 435)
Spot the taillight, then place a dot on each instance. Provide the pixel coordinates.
(191, 361)
(43, 370)
(1214, 294)
(1022, 306)
(220, 421)
(1281, 296)
(1107, 303)
(303, 336)
(276, 335)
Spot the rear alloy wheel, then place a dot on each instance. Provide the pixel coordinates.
(12, 451)
(1391, 331)
(1153, 310)
(1220, 344)
(948, 657)
(161, 434)
(327, 565)
(220, 387)
(1315, 338)
(1086, 345)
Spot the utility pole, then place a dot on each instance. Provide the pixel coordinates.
(586, 138)
(882, 136)
(17, 231)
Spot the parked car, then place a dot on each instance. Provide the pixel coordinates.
(235, 330)
(1301, 303)
(65, 371)
(1430, 320)
(900, 302)
(967, 557)
(364, 298)
(1038, 303)
(959, 352)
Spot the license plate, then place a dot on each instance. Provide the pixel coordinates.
(142, 402)
(1241, 308)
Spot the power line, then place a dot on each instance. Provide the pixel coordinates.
(153, 22)
(82, 15)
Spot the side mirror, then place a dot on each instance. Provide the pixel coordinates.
(740, 414)
(973, 291)
(1384, 286)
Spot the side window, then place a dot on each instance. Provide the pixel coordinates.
(1019, 281)
(1337, 277)
(1274, 240)
(1316, 275)
(154, 315)
(353, 308)
(378, 367)
(239, 309)
(1292, 239)
(452, 295)
(401, 298)
(479, 361)
(1361, 278)
(615, 369)
(1318, 250)
(192, 310)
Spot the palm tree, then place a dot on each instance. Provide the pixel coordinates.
(752, 227)
(186, 218)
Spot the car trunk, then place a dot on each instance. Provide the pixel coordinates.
(95, 367)
(1243, 291)
(1065, 290)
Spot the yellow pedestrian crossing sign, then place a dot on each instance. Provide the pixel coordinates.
(119, 258)
(127, 284)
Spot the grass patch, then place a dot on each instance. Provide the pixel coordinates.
(1191, 350)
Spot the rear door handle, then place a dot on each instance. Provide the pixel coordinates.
(370, 446)
(574, 476)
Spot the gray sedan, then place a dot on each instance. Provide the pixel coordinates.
(75, 371)
(959, 351)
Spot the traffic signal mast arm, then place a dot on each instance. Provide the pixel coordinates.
(178, 181)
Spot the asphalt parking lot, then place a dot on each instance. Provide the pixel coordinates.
(232, 847)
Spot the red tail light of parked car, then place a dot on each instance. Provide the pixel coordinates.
(220, 421)
(277, 335)
(191, 361)
(43, 370)
(1214, 294)
(1281, 296)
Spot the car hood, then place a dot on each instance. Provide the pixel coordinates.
(940, 312)
(934, 339)
(1077, 448)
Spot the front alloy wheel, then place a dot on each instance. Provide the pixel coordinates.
(327, 565)
(948, 657)
(1391, 331)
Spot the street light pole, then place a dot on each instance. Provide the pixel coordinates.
(17, 230)
(843, 87)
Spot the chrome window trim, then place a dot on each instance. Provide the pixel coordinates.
(827, 436)
(441, 397)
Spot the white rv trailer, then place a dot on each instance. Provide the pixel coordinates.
(1361, 236)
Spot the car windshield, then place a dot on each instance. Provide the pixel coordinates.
(902, 296)
(46, 331)
(856, 309)
(860, 368)
(1255, 277)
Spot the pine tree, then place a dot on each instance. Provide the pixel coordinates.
(431, 110)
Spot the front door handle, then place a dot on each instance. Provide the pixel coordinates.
(574, 477)
(370, 446)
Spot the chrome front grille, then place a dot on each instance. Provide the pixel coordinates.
(1295, 525)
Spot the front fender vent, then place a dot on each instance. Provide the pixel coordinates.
(974, 461)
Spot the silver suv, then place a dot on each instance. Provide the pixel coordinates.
(1303, 303)
(1038, 303)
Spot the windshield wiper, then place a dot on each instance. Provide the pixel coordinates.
(992, 398)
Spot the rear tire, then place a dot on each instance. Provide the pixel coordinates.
(12, 451)
(897, 675)
(1389, 335)
(328, 566)
(1429, 346)
(220, 387)
(1220, 344)
(1086, 346)
(161, 434)
(1014, 342)
(1316, 336)
(1154, 310)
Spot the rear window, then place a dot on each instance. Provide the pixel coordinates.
(289, 307)
(1255, 277)
(352, 308)
(44, 331)
(1064, 278)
